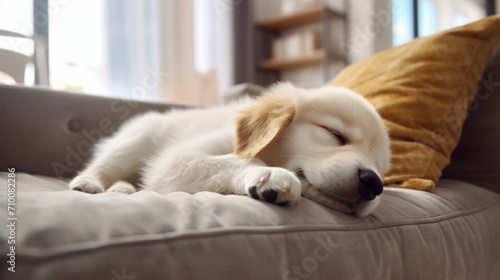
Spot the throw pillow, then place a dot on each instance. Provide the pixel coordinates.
(422, 90)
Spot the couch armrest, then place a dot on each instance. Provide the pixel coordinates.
(51, 133)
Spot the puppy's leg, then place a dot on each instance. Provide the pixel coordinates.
(118, 158)
(192, 167)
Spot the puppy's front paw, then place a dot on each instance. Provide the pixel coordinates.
(86, 184)
(273, 184)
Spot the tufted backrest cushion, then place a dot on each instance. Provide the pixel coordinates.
(52, 133)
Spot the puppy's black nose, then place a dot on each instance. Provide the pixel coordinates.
(370, 185)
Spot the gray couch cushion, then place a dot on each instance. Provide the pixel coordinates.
(449, 234)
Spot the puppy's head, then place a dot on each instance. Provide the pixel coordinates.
(331, 137)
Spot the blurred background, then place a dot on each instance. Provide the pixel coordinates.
(193, 51)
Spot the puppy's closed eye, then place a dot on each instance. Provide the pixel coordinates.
(338, 136)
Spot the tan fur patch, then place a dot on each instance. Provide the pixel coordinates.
(259, 125)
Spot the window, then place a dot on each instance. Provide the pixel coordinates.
(402, 17)
(148, 49)
(18, 19)
(432, 16)
(105, 47)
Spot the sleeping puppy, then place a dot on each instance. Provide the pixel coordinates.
(326, 144)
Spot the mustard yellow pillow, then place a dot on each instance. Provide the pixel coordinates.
(422, 90)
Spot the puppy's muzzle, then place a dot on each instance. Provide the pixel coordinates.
(369, 185)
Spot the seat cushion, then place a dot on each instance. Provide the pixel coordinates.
(422, 90)
(61, 234)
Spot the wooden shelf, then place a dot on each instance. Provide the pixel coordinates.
(307, 15)
(290, 63)
(311, 14)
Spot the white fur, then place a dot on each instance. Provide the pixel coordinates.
(192, 151)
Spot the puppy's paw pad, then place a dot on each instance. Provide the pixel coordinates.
(253, 192)
(283, 203)
(87, 185)
(274, 185)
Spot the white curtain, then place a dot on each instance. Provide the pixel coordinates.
(196, 50)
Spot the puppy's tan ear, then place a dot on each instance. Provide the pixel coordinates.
(259, 125)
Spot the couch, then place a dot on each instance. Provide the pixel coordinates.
(46, 136)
